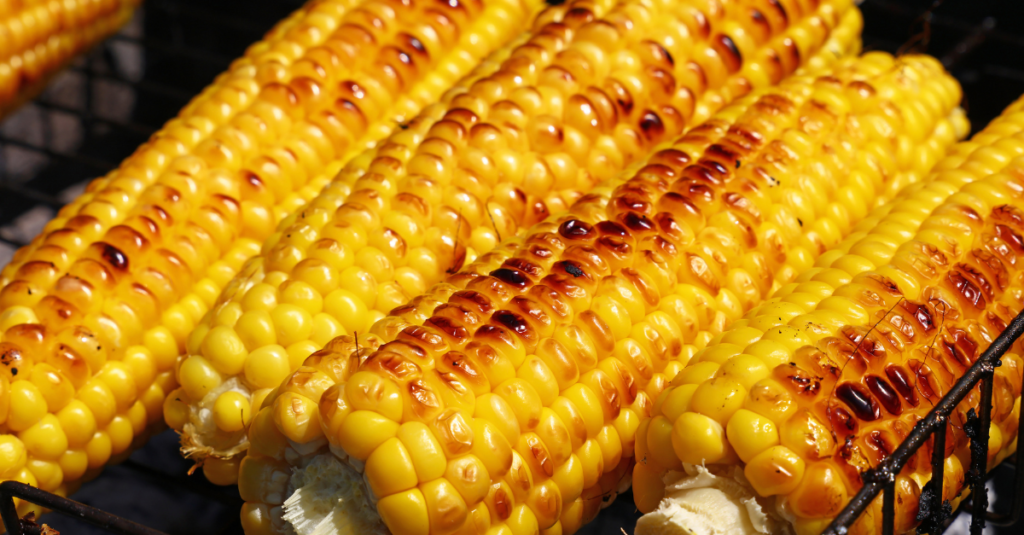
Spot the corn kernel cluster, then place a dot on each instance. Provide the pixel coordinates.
(584, 97)
(37, 37)
(95, 312)
(509, 399)
(824, 380)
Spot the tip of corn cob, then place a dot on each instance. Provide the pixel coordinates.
(699, 501)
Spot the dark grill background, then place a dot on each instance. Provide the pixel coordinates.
(96, 112)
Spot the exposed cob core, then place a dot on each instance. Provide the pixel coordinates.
(587, 95)
(95, 312)
(40, 37)
(508, 399)
(824, 380)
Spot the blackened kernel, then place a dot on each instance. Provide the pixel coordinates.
(575, 229)
(860, 401)
(885, 394)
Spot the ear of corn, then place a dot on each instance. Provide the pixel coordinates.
(38, 38)
(95, 312)
(824, 380)
(585, 96)
(508, 400)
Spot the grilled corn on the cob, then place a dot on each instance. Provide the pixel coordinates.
(583, 98)
(821, 382)
(507, 400)
(95, 312)
(37, 38)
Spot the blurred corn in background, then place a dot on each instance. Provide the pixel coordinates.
(38, 37)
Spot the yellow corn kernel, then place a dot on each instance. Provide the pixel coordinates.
(96, 395)
(48, 474)
(98, 449)
(231, 412)
(369, 391)
(74, 463)
(390, 469)
(121, 432)
(697, 439)
(28, 406)
(363, 431)
(718, 398)
(265, 367)
(426, 452)
(256, 329)
(198, 377)
(750, 433)
(13, 456)
(405, 512)
(77, 422)
(224, 349)
(297, 417)
(221, 471)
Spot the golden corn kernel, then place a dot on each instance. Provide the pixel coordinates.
(231, 412)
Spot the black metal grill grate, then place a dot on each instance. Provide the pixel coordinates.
(107, 103)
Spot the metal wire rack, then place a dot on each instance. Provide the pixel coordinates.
(108, 102)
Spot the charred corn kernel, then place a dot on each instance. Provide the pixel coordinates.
(947, 240)
(494, 157)
(231, 412)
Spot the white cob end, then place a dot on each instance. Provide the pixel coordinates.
(699, 502)
(330, 498)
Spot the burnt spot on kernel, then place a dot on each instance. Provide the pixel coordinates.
(878, 441)
(574, 229)
(448, 327)
(512, 277)
(885, 394)
(859, 400)
(729, 52)
(513, 322)
(958, 344)
(651, 125)
(802, 382)
(968, 290)
(921, 314)
(637, 223)
(114, 257)
(611, 228)
(525, 266)
(842, 420)
(901, 383)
